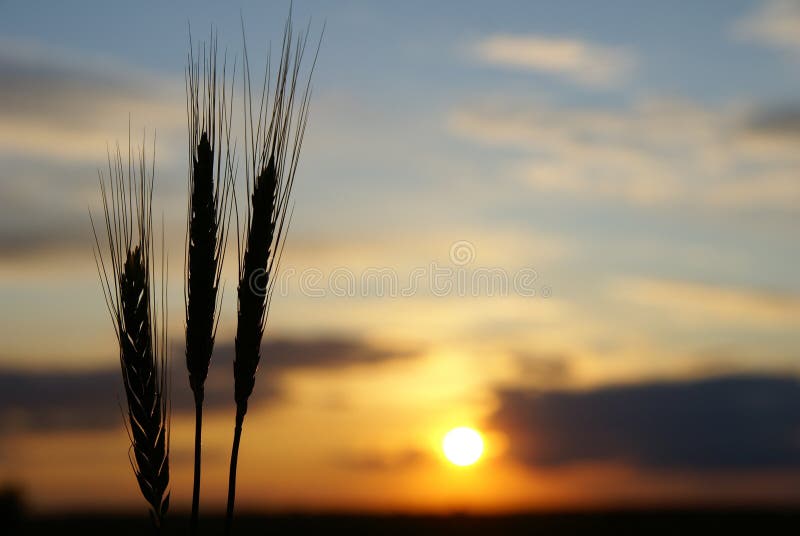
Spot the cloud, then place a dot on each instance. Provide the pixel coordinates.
(40, 400)
(777, 121)
(325, 353)
(692, 301)
(724, 423)
(43, 206)
(654, 153)
(575, 60)
(46, 400)
(17, 242)
(66, 106)
(59, 111)
(543, 368)
(378, 461)
(775, 23)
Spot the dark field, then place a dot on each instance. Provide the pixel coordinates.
(756, 522)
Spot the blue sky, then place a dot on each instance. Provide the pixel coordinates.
(685, 48)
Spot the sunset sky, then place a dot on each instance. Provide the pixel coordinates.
(609, 194)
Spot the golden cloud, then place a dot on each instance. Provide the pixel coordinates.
(696, 301)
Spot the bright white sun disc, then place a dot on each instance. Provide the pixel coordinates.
(462, 446)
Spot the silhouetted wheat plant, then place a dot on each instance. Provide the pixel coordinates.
(210, 180)
(126, 276)
(273, 137)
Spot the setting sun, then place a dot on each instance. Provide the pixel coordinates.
(463, 446)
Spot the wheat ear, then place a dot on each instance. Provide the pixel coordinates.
(126, 275)
(210, 179)
(273, 137)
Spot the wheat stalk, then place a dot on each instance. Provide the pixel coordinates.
(126, 276)
(209, 201)
(273, 139)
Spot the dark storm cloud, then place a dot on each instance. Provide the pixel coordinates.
(733, 422)
(85, 400)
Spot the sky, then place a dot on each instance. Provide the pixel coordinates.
(569, 226)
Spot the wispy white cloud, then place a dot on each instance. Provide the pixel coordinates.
(657, 152)
(775, 23)
(696, 302)
(573, 59)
